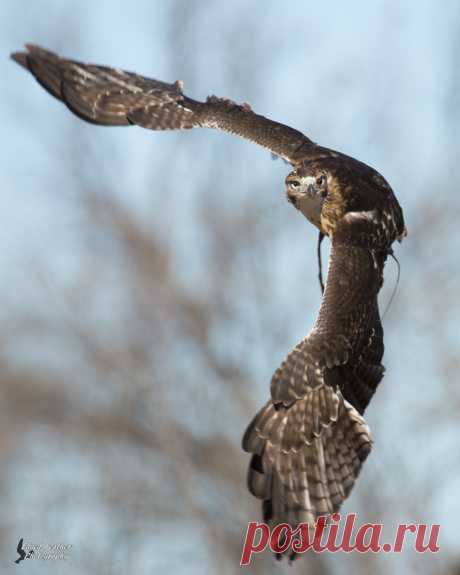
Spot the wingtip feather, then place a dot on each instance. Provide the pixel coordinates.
(20, 58)
(32, 49)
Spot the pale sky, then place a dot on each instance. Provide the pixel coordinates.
(377, 80)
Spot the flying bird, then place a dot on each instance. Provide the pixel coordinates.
(309, 441)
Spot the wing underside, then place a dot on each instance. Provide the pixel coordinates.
(310, 440)
(113, 97)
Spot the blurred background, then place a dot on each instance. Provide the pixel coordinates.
(152, 282)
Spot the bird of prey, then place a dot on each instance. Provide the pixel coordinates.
(308, 442)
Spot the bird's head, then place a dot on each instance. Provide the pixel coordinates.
(336, 192)
(307, 188)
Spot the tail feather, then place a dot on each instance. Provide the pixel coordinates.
(302, 469)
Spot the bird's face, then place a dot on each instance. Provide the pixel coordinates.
(335, 191)
(307, 190)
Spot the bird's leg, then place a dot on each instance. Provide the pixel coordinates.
(320, 265)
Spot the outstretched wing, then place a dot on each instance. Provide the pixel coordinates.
(359, 379)
(112, 97)
(310, 440)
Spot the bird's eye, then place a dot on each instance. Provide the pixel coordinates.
(294, 184)
(321, 180)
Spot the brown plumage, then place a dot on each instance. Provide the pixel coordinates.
(309, 440)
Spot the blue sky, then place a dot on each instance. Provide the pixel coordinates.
(377, 80)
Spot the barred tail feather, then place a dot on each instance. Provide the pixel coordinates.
(298, 470)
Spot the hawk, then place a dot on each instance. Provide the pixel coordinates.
(309, 441)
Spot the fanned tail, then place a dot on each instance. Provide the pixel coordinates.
(306, 457)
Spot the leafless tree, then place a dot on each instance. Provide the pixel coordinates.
(127, 381)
